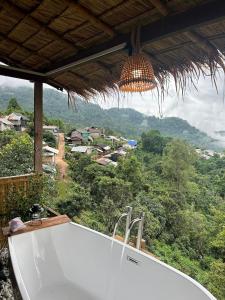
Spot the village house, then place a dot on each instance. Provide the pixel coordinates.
(85, 134)
(18, 120)
(76, 138)
(82, 149)
(105, 161)
(49, 154)
(103, 148)
(95, 132)
(5, 124)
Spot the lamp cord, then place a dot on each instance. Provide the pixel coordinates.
(135, 40)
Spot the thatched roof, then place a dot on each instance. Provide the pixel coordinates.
(81, 45)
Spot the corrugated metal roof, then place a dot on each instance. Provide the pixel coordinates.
(50, 149)
(81, 149)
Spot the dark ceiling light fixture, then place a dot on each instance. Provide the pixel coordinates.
(137, 73)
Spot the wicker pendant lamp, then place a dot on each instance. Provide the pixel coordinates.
(137, 73)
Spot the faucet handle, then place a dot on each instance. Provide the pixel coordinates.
(129, 209)
(142, 215)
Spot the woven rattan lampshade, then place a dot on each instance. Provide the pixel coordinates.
(137, 74)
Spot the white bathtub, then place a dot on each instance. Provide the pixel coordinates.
(71, 262)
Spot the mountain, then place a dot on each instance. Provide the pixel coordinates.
(126, 121)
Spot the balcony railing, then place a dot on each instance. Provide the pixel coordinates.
(18, 184)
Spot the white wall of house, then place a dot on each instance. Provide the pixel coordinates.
(4, 126)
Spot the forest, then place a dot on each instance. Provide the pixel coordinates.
(182, 195)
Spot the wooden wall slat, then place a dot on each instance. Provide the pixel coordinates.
(20, 184)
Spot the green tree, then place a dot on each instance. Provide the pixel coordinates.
(6, 136)
(192, 231)
(94, 170)
(129, 169)
(77, 163)
(78, 199)
(13, 106)
(177, 163)
(49, 138)
(216, 279)
(152, 141)
(16, 158)
(110, 196)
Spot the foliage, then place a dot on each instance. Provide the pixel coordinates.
(129, 169)
(90, 219)
(181, 195)
(216, 279)
(13, 106)
(40, 189)
(77, 200)
(17, 157)
(177, 163)
(6, 136)
(152, 141)
(49, 138)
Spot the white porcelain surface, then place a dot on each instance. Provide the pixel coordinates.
(71, 262)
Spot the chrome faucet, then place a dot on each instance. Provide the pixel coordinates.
(140, 230)
(128, 220)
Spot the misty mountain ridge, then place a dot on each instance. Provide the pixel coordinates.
(125, 121)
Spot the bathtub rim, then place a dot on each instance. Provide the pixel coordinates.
(22, 286)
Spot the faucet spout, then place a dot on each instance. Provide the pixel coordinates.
(133, 223)
(128, 219)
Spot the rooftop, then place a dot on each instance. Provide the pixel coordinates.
(6, 121)
(16, 117)
(50, 149)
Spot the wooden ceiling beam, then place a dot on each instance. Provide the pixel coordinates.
(21, 73)
(25, 74)
(188, 20)
(202, 42)
(160, 7)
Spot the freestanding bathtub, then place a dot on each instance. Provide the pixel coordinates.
(72, 262)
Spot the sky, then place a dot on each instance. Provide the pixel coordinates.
(203, 108)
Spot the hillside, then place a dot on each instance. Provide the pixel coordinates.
(126, 121)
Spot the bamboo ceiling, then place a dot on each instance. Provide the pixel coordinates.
(47, 35)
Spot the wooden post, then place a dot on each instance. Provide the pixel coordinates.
(38, 119)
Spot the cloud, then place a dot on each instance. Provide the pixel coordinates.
(14, 82)
(204, 108)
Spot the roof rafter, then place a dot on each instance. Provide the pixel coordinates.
(55, 36)
(188, 20)
(104, 14)
(205, 45)
(18, 45)
(202, 42)
(93, 19)
(160, 7)
(10, 6)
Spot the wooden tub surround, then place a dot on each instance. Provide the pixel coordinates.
(61, 219)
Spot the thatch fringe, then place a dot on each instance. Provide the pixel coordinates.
(185, 74)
